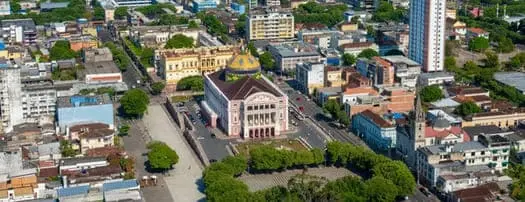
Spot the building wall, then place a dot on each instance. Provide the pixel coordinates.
(270, 26)
(378, 138)
(427, 34)
(84, 114)
(217, 102)
(79, 45)
(92, 143)
(504, 121)
(103, 78)
(310, 76)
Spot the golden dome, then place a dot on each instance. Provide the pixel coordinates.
(244, 62)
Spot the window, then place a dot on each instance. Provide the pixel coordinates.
(482, 152)
(473, 154)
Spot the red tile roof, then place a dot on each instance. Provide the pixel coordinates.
(48, 172)
(104, 151)
(430, 132)
(45, 164)
(376, 118)
(478, 30)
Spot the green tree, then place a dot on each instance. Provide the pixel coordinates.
(399, 174)
(306, 187)
(179, 41)
(349, 188)
(431, 93)
(491, 60)
(67, 149)
(349, 59)
(478, 44)
(386, 13)
(157, 87)
(121, 13)
(99, 13)
(134, 102)
(252, 49)
(467, 108)
(193, 25)
(380, 189)
(15, 6)
(161, 156)
(450, 63)
(240, 25)
(343, 118)
(505, 45)
(194, 83)
(332, 107)
(267, 61)
(368, 53)
(61, 51)
(371, 31)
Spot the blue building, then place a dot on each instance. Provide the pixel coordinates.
(201, 5)
(378, 133)
(77, 109)
(238, 8)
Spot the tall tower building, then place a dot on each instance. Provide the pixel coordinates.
(427, 33)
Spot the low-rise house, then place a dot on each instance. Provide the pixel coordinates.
(121, 190)
(503, 119)
(484, 193)
(356, 48)
(477, 32)
(453, 182)
(92, 136)
(79, 193)
(74, 110)
(157, 36)
(434, 114)
(435, 78)
(49, 151)
(333, 76)
(288, 55)
(76, 164)
(18, 179)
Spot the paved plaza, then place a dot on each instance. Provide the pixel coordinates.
(184, 181)
(263, 181)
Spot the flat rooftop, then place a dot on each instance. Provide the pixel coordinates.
(435, 75)
(102, 67)
(514, 79)
(400, 59)
(80, 100)
(296, 49)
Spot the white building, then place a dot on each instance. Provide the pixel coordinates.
(27, 94)
(5, 8)
(310, 76)
(270, 24)
(19, 31)
(427, 34)
(407, 70)
(290, 54)
(435, 78)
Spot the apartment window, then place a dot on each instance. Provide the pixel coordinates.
(473, 154)
(482, 152)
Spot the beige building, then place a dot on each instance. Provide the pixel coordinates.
(333, 76)
(270, 24)
(92, 136)
(176, 64)
(503, 119)
(157, 36)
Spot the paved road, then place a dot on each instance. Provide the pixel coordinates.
(185, 180)
(213, 147)
(316, 113)
(309, 133)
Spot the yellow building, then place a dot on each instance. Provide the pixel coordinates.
(349, 27)
(13, 52)
(333, 77)
(503, 119)
(176, 64)
(267, 24)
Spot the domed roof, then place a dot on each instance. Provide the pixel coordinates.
(244, 62)
(441, 123)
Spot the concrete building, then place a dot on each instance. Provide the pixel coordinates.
(378, 133)
(388, 99)
(427, 34)
(19, 181)
(27, 94)
(99, 67)
(91, 136)
(504, 118)
(310, 76)
(238, 8)
(288, 55)
(406, 70)
(49, 6)
(132, 3)
(247, 104)
(202, 5)
(176, 64)
(157, 36)
(272, 3)
(333, 77)
(19, 31)
(81, 163)
(268, 24)
(366, 5)
(73, 110)
(435, 78)
(486, 154)
(358, 47)
(513, 79)
(5, 8)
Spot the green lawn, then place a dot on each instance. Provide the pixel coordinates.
(244, 148)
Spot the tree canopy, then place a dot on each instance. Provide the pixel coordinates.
(121, 13)
(505, 45)
(478, 44)
(157, 87)
(467, 108)
(179, 41)
(161, 156)
(431, 93)
(386, 13)
(313, 12)
(267, 61)
(167, 19)
(194, 83)
(119, 56)
(368, 53)
(61, 51)
(268, 158)
(349, 59)
(134, 102)
(67, 149)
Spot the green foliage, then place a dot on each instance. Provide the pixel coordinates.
(134, 102)
(123, 130)
(431, 93)
(61, 51)
(467, 108)
(505, 45)
(371, 31)
(267, 158)
(478, 44)
(157, 87)
(144, 54)
(517, 62)
(491, 60)
(119, 56)
(240, 25)
(194, 83)
(381, 190)
(349, 188)
(344, 154)
(252, 49)
(267, 61)
(161, 156)
(155, 10)
(450, 47)
(15, 6)
(64, 75)
(399, 174)
(306, 187)
(99, 13)
(496, 27)
(336, 111)
(368, 53)
(179, 41)
(231, 165)
(349, 59)
(167, 19)
(386, 13)
(313, 12)
(215, 26)
(67, 149)
(74, 10)
(450, 63)
(192, 24)
(121, 13)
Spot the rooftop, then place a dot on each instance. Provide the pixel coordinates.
(435, 75)
(243, 87)
(120, 185)
(80, 100)
(376, 118)
(97, 55)
(103, 67)
(28, 24)
(50, 148)
(400, 59)
(466, 90)
(77, 160)
(357, 45)
(446, 102)
(53, 5)
(458, 147)
(296, 49)
(514, 79)
(73, 191)
(437, 112)
(483, 130)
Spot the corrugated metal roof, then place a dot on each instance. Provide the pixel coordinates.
(72, 191)
(126, 184)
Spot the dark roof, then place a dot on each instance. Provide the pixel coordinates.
(89, 126)
(48, 172)
(376, 119)
(479, 130)
(466, 90)
(242, 88)
(481, 193)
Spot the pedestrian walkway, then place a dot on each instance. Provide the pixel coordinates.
(185, 180)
